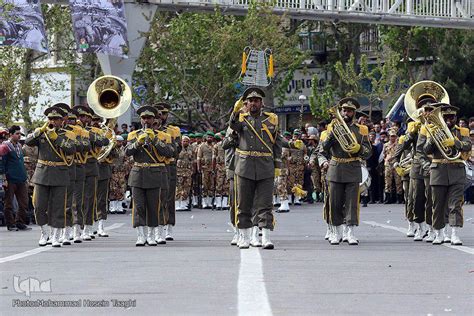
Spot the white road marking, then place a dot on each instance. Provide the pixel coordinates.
(252, 294)
(45, 248)
(403, 230)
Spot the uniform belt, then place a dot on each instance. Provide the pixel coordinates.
(337, 159)
(148, 165)
(254, 153)
(52, 163)
(447, 161)
(78, 162)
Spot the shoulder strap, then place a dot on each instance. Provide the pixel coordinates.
(258, 136)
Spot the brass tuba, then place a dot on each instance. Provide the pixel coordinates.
(341, 131)
(420, 90)
(109, 97)
(433, 121)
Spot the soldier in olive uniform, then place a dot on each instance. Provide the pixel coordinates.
(448, 177)
(229, 143)
(83, 114)
(319, 158)
(148, 176)
(175, 133)
(282, 183)
(51, 176)
(91, 172)
(344, 173)
(204, 165)
(184, 173)
(69, 118)
(257, 162)
(406, 150)
(103, 179)
(422, 195)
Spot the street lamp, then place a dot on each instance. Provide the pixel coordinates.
(302, 99)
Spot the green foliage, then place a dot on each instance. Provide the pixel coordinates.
(196, 58)
(454, 70)
(377, 81)
(321, 100)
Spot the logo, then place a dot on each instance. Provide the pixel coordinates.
(30, 285)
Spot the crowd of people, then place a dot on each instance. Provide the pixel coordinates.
(154, 166)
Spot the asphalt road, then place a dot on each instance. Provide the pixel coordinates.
(201, 274)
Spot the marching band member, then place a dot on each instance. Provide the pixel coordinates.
(83, 114)
(344, 171)
(147, 178)
(91, 171)
(257, 162)
(103, 179)
(51, 176)
(68, 121)
(175, 133)
(448, 177)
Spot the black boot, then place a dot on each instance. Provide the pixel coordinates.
(364, 200)
(400, 199)
(387, 198)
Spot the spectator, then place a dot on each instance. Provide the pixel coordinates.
(372, 164)
(377, 130)
(124, 132)
(471, 123)
(463, 123)
(311, 130)
(16, 181)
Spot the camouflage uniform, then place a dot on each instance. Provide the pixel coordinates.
(296, 168)
(204, 156)
(184, 173)
(282, 181)
(390, 173)
(31, 156)
(120, 171)
(218, 156)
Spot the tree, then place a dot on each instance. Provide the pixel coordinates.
(454, 69)
(195, 59)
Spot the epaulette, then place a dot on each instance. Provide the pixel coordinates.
(85, 133)
(242, 116)
(272, 118)
(70, 134)
(423, 131)
(132, 135)
(363, 129)
(324, 135)
(174, 131)
(96, 130)
(464, 131)
(164, 137)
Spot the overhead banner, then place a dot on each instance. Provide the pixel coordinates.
(100, 26)
(21, 24)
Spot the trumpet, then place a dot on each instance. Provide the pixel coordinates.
(50, 128)
(341, 131)
(403, 167)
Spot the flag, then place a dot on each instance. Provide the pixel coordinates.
(22, 24)
(100, 26)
